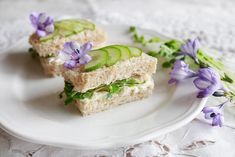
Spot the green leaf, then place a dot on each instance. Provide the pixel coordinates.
(141, 39)
(153, 54)
(191, 63)
(132, 29)
(33, 53)
(166, 64)
(227, 78)
(173, 44)
(154, 40)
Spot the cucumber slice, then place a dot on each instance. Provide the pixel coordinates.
(125, 52)
(65, 33)
(75, 24)
(135, 52)
(49, 37)
(69, 27)
(114, 55)
(86, 24)
(99, 59)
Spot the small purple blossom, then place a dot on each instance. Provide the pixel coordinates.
(215, 113)
(42, 23)
(208, 82)
(190, 48)
(180, 71)
(73, 55)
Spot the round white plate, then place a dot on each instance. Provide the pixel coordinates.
(31, 109)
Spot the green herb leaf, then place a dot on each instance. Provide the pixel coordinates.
(227, 78)
(132, 29)
(33, 52)
(175, 45)
(154, 40)
(166, 64)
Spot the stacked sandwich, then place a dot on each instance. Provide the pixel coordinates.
(50, 36)
(113, 75)
(95, 79)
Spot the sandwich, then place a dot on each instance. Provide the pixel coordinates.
(103, 78)
(50, 35)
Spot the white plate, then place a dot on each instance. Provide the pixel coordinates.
(31, 109)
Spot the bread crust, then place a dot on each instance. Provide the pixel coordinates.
(50, 67)
(129, 94)
(136, 66)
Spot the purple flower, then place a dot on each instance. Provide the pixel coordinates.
(42, 23)
(73, 55)
(180, 71)
(215, 113)
(208, 82)
(190, 48)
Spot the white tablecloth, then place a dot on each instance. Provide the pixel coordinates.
(212, 21)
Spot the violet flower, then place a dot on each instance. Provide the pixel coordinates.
(42, 23)
(215, 113)
(190, 48)
(180, 71)
(73, 55)
(208, 82)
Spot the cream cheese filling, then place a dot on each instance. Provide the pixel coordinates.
(125, 91)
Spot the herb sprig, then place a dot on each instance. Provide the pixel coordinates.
(188, 60)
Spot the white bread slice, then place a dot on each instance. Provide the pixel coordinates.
(136, 66)
(50, 67)
(99, 101)
(51, 47)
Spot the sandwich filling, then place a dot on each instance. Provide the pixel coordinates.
(68, 27)
(103, 90)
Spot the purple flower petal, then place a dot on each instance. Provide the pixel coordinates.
(180, 71)
(208, 82)
(33, 19)
(75, 55)
(215, 113)
(70, 64)
(49, 21)
(208, 115)
(42, 23)
(42, 17)
(41, 33)
(207, 109)
(172, 81)
(217, 121)
(63, 56)
(85, 59)
(201, 84)
(68, 48)
(49, 28)
(207, 92)
(190, 48)
(86, 48)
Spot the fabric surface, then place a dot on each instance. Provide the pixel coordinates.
(212, 21)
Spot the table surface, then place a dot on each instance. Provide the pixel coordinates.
(212, 21)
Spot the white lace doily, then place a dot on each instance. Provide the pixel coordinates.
(212, 21)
